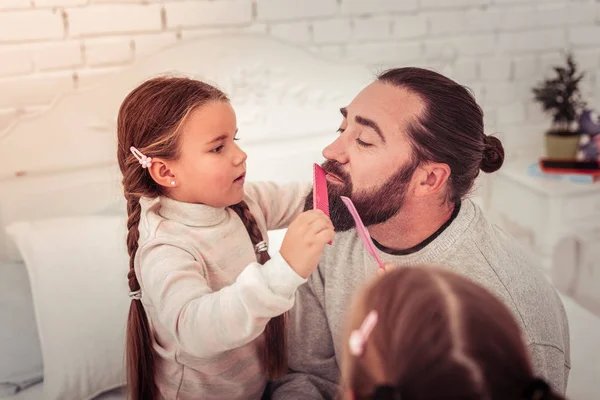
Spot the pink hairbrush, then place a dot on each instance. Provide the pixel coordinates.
(363, 234)
(320, 196)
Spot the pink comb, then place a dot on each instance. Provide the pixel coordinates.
(363, 234)
(320, 196)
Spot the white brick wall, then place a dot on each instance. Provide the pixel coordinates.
(371, 28)
(465, 70)
(539, 40)
(495, 68)
(148, 44)
(525, 67)
(511, 113)
(198, 13)
(103, 52)
(585, 35)
(352, 7)
(33, 90)
(409, 26)
(456, 46)
(113, 19)
(498, 48)
(385, 53)
(332, 30)
(58, 55)
(21, 26)
(294, 9)
(428, 4)
(15, 62)
(297, 32)
(57, 3)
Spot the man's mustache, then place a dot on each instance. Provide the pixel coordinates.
(335, 168)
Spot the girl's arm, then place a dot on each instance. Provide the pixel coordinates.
(206, 323)
(280, 203)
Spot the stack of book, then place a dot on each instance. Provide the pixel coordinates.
(571, 170)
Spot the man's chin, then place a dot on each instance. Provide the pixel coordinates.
(344, 227)
(338, 213)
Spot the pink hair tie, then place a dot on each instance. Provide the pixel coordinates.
(359, 337)
(145, 161)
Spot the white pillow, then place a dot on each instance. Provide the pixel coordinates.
(20, 353)
(77, 269)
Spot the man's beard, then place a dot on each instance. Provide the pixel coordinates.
(374, 207)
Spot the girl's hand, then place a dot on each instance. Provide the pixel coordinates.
(387, 266)
(305, 240)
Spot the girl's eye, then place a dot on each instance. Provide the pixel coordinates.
(340, 130)
(217, 149)
(363, 144)
(236, 138)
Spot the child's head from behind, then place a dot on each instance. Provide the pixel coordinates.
(187, 128)
(437, 335)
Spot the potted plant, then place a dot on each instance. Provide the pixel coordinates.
(560, 96)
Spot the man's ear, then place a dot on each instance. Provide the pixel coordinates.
(431, 178)
(161, 173)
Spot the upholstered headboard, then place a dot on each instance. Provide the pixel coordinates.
(287, 102)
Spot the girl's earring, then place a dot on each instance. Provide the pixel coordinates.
(172, 183)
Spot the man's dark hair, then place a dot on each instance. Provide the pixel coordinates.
(450, 128)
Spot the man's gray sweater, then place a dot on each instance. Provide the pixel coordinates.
(471, 246)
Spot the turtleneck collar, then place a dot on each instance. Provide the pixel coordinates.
(191, 214)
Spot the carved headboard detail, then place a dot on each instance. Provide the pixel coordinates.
(279, 92)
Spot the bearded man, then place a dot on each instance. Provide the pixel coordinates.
(410, 147)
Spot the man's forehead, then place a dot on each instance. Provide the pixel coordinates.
(384, 100)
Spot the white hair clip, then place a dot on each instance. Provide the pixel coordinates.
(359, 337)
(260, 247)
(136, 295)
(145, 161)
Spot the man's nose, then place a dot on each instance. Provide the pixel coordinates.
(336, 151)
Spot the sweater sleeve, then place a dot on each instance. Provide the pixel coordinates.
(280, 203)
(314, 371)
(206, 323)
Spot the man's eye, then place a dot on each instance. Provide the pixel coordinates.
(363, 144)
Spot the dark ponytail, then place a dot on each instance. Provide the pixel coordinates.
(493, 154)
(449, 129)
(275, 349)
(141, 366)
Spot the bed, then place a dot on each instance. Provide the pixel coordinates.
(63, 259)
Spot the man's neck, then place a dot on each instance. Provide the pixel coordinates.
(412, 225)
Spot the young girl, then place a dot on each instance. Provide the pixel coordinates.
(421, 333)
(200, 299)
